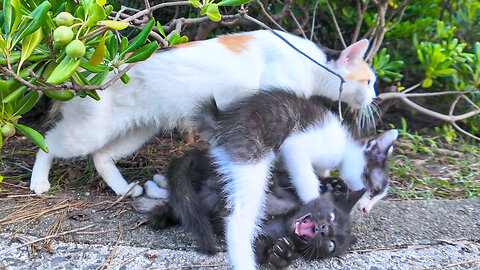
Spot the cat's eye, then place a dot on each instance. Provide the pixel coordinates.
(332, 216)
(368, 82)
(331, 246)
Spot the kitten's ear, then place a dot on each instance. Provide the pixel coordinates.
(354, 53)
(352, 198)
(385, 140)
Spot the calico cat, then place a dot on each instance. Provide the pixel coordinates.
(165, 90)
(248, 136)
(317, 230)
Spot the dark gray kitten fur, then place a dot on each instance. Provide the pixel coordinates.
(198, 203)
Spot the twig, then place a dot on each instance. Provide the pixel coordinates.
(336, 24)
(313, 21)
(74, 87)
(361, 14)
(298, 24)
(44, 238)
(121, 198)
(262, 8)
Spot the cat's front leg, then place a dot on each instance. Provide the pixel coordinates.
(39, 181)
(301, 171)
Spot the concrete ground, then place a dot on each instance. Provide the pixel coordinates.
(433, 234)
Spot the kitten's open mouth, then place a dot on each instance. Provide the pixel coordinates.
(305, 228)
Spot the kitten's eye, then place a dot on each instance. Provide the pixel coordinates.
(368, 82)
(332, 216)
(331, 246)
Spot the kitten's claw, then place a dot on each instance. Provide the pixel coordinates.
(281, 254)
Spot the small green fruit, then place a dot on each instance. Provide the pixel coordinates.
(8, 130)
(75, 49)
(62, 35)
(64, 18)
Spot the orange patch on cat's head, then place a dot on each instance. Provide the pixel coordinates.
(235, 43)
(362, 74)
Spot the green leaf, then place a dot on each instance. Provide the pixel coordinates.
(123, 45)
(99, 54)
(213, 13)
(195, 3)
(427, 83)
(18, 14)
(33, 135)
(9, 16)
(143, 53)
(112, 47)
(101, 2)
(95, 14)
(96, 69)
(3, 43)
(79, 78)
(100, 77)
(93, 94)
(1, 143)
(125, 79)
(444, 72)
(64, 70)
(115, 24)
(62, 95)
(16, 94)
(29, 44)
(173, 39)
(26, 103)
(232, 2)
(160, 29)
(38, 17)
(140, 38)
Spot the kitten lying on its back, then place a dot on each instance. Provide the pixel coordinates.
(165, 90)
(247, 137)
(317, 230)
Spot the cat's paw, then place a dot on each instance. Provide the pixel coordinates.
(160, 180)
(133, 192)
(335, 185)
(282, 253)
(39, 187)
(154, 191)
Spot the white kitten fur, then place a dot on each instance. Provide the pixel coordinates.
(165, 90)
(245, 186)
(154, 191)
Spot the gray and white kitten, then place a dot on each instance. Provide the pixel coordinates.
(247, 137)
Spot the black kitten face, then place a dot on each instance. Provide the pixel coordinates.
(321, 228)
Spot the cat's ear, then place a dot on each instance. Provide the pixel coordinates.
(352, 197)
(354, 53)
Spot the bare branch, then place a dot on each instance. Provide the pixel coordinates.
(361, 14)
(298, 24)
(264, 12)
(339, 32)
(313, 21)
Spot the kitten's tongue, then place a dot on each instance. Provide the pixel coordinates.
(305, 229)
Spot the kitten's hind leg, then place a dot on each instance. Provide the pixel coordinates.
(121, 147)
(246, 187)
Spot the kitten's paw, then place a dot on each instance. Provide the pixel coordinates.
(154, 191)
(160, 180)
(133, 192)
(39, 187)
(335, 185)
(282, 253)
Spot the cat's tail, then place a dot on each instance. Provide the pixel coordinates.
(183, 173)
(206, 118)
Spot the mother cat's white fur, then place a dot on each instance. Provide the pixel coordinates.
(165, 90)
